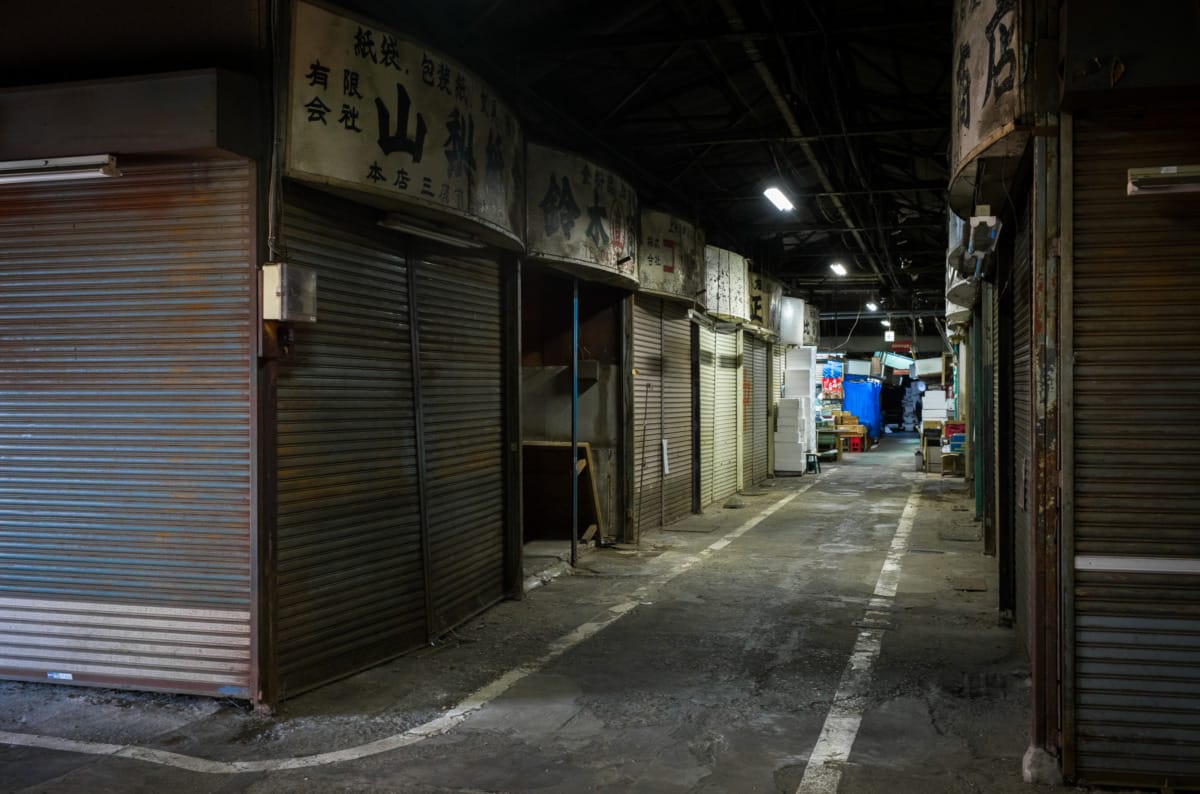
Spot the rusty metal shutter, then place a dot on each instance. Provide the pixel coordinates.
(677, 410)
(462, 406)
(647, 411)
(706, 340)
(126, 388)
(1136, 489)
(746, 429)
(350, 586)
(1020, 400)
(725, 427)
(760, 408)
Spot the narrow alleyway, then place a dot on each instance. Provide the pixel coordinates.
(837, 633)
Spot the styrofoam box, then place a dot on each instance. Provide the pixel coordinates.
(788, 437)
(794, 392)
(935, 398)
(804, 358)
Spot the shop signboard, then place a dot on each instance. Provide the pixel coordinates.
(581, 215)
(988, 64)
(387, 121)
(812, 324)
(766, 303)
(726, 293)
(670, 257)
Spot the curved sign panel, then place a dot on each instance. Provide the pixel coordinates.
(581, 215)
(766, 303)
(726, 291)
(670, 257)
(392, 123)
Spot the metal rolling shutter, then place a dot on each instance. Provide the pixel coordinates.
(778, 365)
(991, 413)
(725, 428)
(647, 410)
(350, 583)
(126, 371)
(1021, 402)
(748, 390)
(760, 408)
(707, 341)
(1137, 474)
(462, 379)
(677, 410)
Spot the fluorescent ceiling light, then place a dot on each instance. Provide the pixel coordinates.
(781, 202)
(872, 307)
(448, 237)
(886, 323)
(838, 269)
(58, 169)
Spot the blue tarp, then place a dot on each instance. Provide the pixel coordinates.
(862, 400)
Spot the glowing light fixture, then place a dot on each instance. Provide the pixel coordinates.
(776, 196)
(886, 323)
(838, 269)
(872, 306)
(58, 169)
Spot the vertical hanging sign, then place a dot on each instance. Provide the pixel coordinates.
(371, 112)
(988, 68)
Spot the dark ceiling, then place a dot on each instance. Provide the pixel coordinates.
(703, 103)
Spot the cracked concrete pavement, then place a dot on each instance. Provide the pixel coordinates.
(718, 681)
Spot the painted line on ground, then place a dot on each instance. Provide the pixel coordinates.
(435, 727)
(823, 773)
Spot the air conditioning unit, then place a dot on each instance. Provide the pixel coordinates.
(1164, 179)
(985, 231)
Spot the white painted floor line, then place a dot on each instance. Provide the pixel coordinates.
(823, 773)
(452, 718)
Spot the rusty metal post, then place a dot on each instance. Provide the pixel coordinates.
(1045, 596)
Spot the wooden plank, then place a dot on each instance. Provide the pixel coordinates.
(544, 473)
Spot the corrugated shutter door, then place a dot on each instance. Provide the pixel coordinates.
(350, 586)
(746, 428)
(647, 410)
(1137, 474)
(761, 408)
(462, 370)
(991, 412)
(126, 370)
(677, 410)
(1022, 425)
(778, 365)
(708, 395)
(725, 426)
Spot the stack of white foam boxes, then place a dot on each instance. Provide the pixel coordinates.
(933, 407)
(795, 428)
(911, 395)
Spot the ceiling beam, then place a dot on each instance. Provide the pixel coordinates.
(722, 138)
(916, 187)
(699, 36)
(784, 227)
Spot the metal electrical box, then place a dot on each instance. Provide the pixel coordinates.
(289, 293)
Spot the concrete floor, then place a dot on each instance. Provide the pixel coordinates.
(710, 659)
